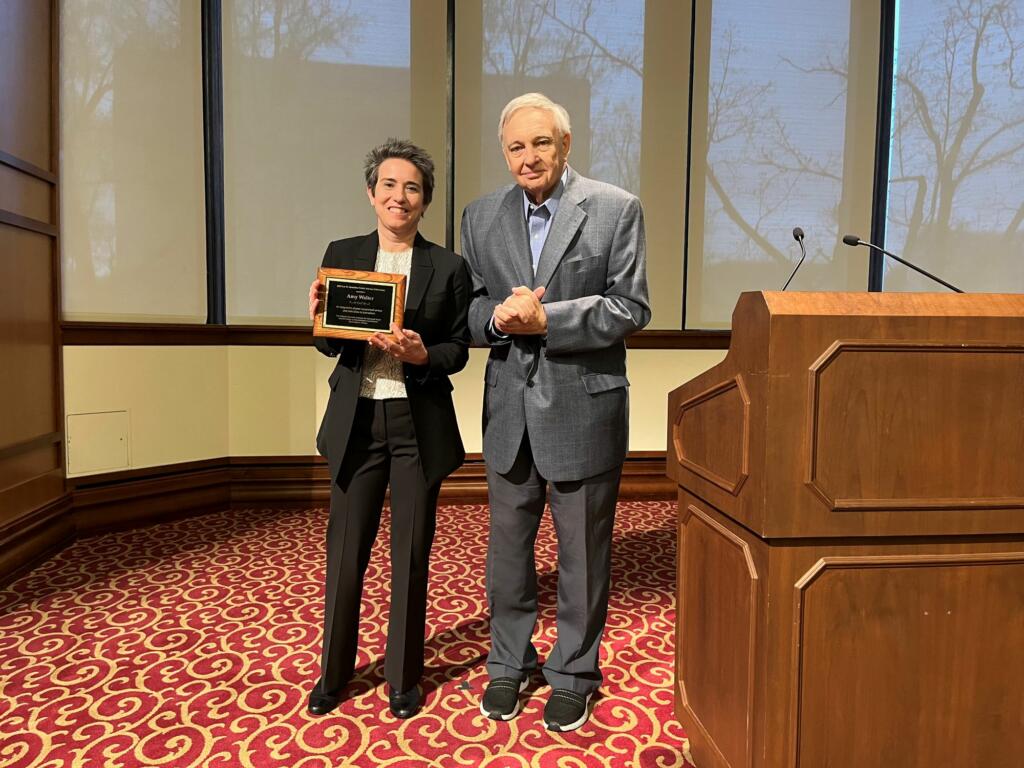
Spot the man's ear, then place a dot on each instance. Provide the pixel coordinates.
(369, 194)
(567, 143)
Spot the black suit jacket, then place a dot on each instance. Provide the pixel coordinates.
(436, 307)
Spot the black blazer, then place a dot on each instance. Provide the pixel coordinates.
(436, 307)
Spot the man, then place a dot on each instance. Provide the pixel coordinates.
(557, 262)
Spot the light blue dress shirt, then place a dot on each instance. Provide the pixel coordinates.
(539, 217)
(538, 225)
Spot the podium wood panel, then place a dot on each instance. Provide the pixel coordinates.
(880, 641)
(858, 599)
(859, 652)
(889, 421)
(946, 382)
(695, 434)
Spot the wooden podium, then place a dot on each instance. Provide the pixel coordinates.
(851, 534)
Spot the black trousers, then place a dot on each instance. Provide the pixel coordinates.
(382, 448)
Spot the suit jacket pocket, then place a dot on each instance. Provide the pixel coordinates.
(603, 382)
(583, 263)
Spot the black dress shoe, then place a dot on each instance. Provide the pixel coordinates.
(405, 704)
(321, 703)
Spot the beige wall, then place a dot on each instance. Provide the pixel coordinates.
(189, 403)
(176, 399)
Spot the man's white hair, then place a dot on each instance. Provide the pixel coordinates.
(534, 101)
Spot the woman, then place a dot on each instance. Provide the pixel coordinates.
(390, 418)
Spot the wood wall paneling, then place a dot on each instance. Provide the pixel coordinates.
(31, 460)
(28, 384)
(26, 68)
(27, 462)
(25, 195)
(35, 537)
(33, 502)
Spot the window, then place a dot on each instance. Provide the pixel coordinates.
(309, 88)
(778, 132)
(783, 131)
(133, 243)
(620, 69)
(955, 203)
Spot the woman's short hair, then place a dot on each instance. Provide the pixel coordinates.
(403, 149)
(535, 101)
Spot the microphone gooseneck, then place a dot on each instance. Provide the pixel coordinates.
(854, 241)
(798, 235)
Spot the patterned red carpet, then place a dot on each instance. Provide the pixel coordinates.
(194, 644)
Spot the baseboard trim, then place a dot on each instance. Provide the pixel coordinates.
(132, 498)
(140, 497)
(35, 537)
(111, 500)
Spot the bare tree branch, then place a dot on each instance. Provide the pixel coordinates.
(738, 219)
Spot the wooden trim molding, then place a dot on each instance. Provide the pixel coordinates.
(77, 333)
(28, 540)
(298, 480)
(137, 497)
(184, 334)
(50, 438)
(130, 498)
(24, 166)
(142, 334)
(24, 222)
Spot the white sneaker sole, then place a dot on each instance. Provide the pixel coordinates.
(554, 727)
(510, 715)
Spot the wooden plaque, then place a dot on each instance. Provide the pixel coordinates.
(357, 304)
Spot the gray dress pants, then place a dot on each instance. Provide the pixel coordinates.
(583, 512)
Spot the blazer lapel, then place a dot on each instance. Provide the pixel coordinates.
(513, 224)
(567, 222)
(363, 257)
(419, 278)
(366, 256)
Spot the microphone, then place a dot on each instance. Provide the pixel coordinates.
(798, 235)
(854, 240)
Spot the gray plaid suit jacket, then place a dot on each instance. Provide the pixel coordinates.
(568, 390)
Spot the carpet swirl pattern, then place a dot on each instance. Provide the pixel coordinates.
(194, 643)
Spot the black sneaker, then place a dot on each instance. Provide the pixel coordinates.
(566, 710)
(501, 699)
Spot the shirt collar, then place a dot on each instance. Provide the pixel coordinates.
(552, 202)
